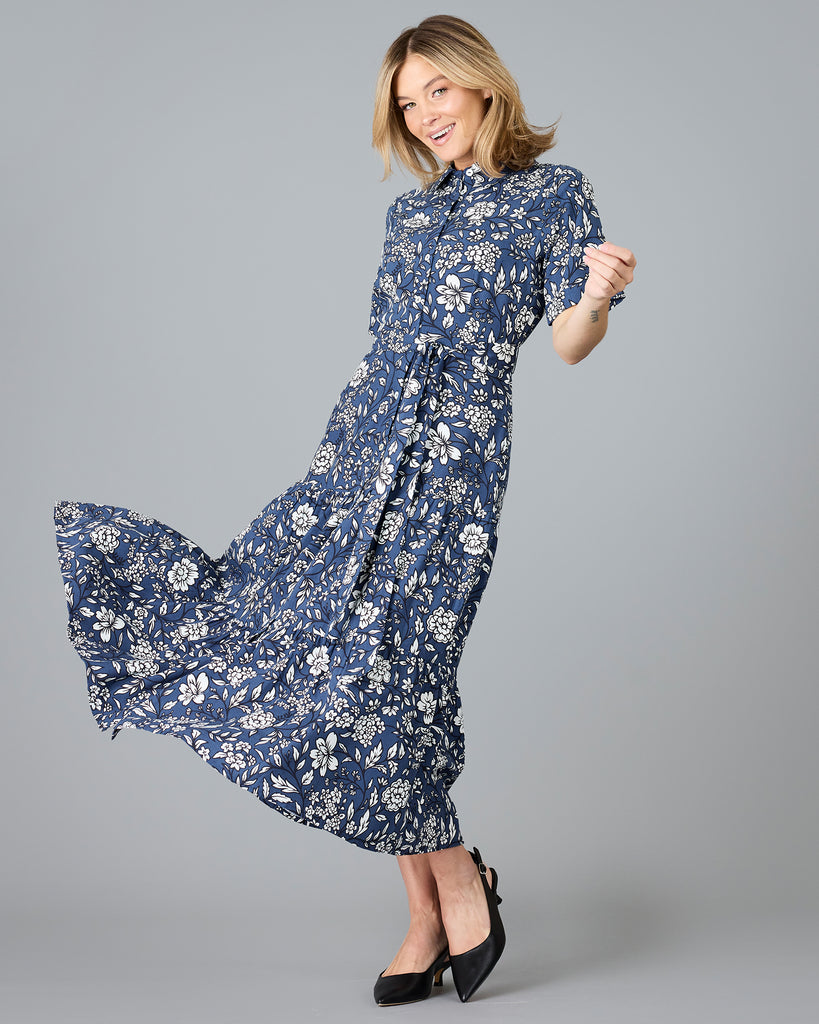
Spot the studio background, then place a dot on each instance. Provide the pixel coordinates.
(192, 218)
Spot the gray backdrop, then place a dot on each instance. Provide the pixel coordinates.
(191, 217)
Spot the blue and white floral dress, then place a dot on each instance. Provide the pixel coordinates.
(314, 662)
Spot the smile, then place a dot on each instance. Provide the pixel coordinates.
(442, 135)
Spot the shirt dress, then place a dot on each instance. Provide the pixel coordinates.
(314, 662)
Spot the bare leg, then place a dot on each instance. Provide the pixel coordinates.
(426, 936)
(463, 908)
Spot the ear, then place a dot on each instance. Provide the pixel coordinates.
(487, 94)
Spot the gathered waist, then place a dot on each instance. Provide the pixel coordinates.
(474, 364)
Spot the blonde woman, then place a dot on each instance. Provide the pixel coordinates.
(314, 662)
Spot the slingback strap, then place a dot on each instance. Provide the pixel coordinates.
(476, 856)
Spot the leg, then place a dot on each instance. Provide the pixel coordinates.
(426, 936)
(463, 908)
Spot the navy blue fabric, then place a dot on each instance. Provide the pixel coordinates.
(314, 662)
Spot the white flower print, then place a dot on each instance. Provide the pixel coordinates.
(442, 623)
(396, 795)
(479, 212)
(439, 445)
(456, 490)
(67, 510)
(484, 256)
(192, 631)
(351, 571)
(385, 471)
(453, 295)
(417, 222)
(107, 622)
(139, 668)
(426, 705)
(323, 459)
(367, 613)
(322, 755)
(303, 519)
(387, 282)
(366, 729)
(480, 419)
(106, 538)
(97, 697)
(193, 689)
(235, 755)
(524, 320)
(391, 526)
(298, 568)
(314, 662)
(402, 564)
(474, 539)
(503, 350)
(137, 567)
(360, 374)
(319, 660)
(182, 574)
(258, 720)
(238, 673)
(380, 672)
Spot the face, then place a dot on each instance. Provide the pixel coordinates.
(444, 116)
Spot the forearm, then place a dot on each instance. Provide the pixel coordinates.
(576, 336)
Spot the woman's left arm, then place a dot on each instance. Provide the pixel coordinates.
(577, 330)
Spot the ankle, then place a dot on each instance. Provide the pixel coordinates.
(426, 919)
(462, 883)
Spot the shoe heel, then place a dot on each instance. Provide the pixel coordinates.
(439, 976)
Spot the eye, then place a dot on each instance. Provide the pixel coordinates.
(441, 88)
(406, 106)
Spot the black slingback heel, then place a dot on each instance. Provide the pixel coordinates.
(472, 968)
(394, 989)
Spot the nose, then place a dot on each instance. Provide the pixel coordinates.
(429, 118)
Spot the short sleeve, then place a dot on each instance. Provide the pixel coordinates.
(576, 224)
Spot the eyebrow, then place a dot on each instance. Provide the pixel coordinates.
(424, 88)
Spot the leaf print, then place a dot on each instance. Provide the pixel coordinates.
(314, 662)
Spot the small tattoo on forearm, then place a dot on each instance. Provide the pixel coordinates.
(594, 316)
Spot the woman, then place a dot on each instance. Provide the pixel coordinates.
(314, 662)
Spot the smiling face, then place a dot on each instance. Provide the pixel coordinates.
(444, 116)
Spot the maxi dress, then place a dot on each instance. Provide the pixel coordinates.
(314, 662)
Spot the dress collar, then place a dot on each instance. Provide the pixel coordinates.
(473, 173)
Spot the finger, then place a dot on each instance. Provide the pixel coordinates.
(598, 260)
(607, 274)
(626, 255)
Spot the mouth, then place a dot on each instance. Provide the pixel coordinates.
(441, 136)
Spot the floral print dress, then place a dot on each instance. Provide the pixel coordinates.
(314, 662)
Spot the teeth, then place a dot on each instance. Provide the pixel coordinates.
(440, 135)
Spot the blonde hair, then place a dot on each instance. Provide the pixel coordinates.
(458, 50)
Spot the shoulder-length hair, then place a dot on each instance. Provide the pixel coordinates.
(460, 52)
